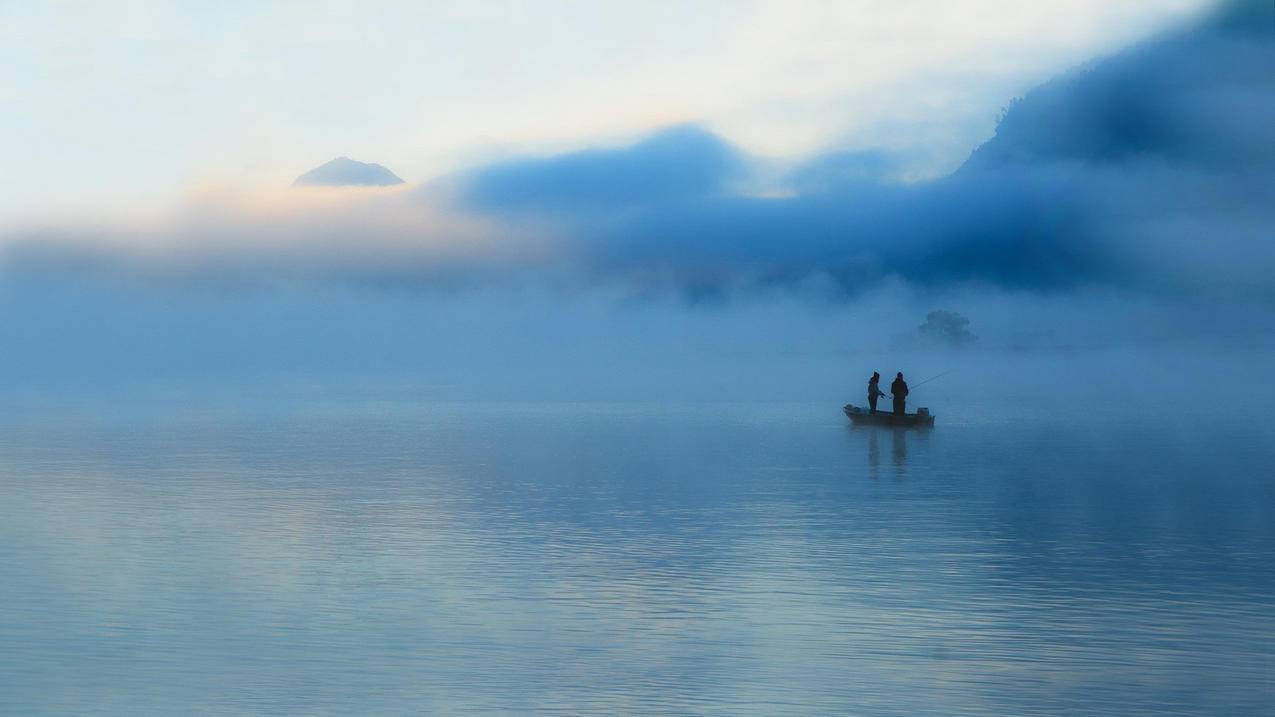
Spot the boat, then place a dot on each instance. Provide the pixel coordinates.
(863, 417)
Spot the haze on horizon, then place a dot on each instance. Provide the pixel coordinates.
(820, 203)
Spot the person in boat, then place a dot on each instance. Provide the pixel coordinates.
(900, 390)
(874, 391)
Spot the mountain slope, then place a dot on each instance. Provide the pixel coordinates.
(345, 172)
(1203, 94)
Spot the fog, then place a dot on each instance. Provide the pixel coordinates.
(1116, 227)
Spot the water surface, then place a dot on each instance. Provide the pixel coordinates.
(404, 557)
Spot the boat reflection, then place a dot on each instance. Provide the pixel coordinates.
(898, 438)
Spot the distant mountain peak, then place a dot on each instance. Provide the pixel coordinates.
(346, 172)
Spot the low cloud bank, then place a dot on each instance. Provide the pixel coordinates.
(1150, 174)
(384, 237)
(1153, 170)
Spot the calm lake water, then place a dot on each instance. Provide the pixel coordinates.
(365, 557)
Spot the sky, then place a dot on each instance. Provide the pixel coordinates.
(664, 198)
(140, 104)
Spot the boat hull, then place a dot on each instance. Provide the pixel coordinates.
(863, 417)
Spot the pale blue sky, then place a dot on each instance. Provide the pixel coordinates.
(140, 103)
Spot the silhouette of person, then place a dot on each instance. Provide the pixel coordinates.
(874, 391)
(900, 390)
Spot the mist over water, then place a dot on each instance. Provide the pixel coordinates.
(1072, 536)
(562, 433)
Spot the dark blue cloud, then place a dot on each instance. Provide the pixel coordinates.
(677, 163)
(1072, 190)
(1024, 233)
(659, 211)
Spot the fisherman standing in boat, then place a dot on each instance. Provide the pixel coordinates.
(900, 390)
(874, 391)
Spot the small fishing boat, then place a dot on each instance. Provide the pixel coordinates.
(863, 417)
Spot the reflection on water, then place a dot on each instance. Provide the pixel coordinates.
(874, 450)
(899, 448)
(576, 558)
(898, 440)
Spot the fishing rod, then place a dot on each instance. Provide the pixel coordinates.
(930, 379)
(934, 377)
